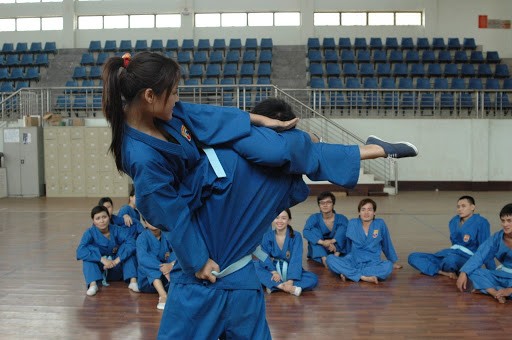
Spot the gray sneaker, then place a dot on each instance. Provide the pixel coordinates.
(394, 150)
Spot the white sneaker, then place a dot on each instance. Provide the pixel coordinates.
(160, 305)
(297, 291)
(269, 291)
(134, 287)
(93, 289)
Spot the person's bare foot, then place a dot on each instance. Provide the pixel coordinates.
(371, 279)
(501, 299)
(451, 275)
(343, 278)
(324, 261)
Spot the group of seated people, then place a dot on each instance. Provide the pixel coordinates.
(126, 247)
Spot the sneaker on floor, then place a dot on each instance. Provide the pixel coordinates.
(92, 290)
(134, 287)
(394, 150)
(297, 291)
(160, 305)
(269, 291)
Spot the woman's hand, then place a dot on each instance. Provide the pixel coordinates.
(271, 123)
(462, 281)
(275, 276)
(205, 273)
(127, 220)
(397, 266)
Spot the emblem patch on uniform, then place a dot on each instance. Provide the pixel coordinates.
(375, 233)
(185, 133)
(288, 254)
(466, 237)
(167, 255)
(114, 250)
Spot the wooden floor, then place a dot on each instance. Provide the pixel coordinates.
(42, 292)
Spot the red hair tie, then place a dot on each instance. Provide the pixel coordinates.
(127, 57)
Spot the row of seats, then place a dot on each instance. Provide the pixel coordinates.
(173, 45)
(398, 56)
(19, 73)
(410, 83)
(35, 47)
(187, 57)
(228, 70)
(228, 82)
(406, 43)
(13, 60)
(11, 86)
(404, 70)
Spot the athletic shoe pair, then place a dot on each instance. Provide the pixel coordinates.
(394, 150)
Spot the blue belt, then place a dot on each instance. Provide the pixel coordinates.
(258, 252)
(462, 249)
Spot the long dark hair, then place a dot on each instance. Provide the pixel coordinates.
(290, 229)
(122, 84)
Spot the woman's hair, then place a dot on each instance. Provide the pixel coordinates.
(290, 229)
(124, 81)
(104, 200)
(366, 201)
(324, 195)
(274, 108)
(97, 209)
(506, 210)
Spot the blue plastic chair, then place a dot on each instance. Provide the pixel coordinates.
(264, 70)
(428, 56)
(32, 74)
(454, 44)
(141, 45)
(16, 73)
(235, 44)
(332, 69)
(355, 99)
(79, 72)
(200, 57)
(363, 56)
(477, 57)
(36, 47)
(328, 44)
(396, 56)
(460, 57)
(438, 44)
(266, 44)
(344, 43)
(412, 56)
(184, 57)
(196, 71)
(467, 70)
(95, 72)
(380, 56)
(407, 43)
(376, 43)
(110, 46)
(265, 56)
(493, 57)
(230, 70)
(21, 47)
(87, 59)
(157, 45)
(501, 71)
(422, 43)
(101, 58)
(347, 56)
(233, 56)
(316, 70)
(417, 70)
(125, 46)
(469, 44)
(219, 44)
(400, 70)
(203, 45)
(27, 60)
(251, 44)
(383, 70)
(350, 70)
(392, 43)
(249, 56)
(434, 70)
(331, 56)
(42, 60)
(451, 70)
(360, 43)
(317, 83)
(188, 45)
(216, 57)
(444, 57)
(366, 70)
(50, 47)
(247, 70)
(313, 44)
(484, 71)
(172, 45)
(7, 48)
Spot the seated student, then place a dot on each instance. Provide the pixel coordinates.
(495, 282)
(107, 252)
(467, 232)
(156, 260)
(366, 238)
(325, 231)
(131, 216)
(282, 270)
(114, 219)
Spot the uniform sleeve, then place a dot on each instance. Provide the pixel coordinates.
(387, 244)
(295, 153)
(486, 252)
(311, 231)
(86, 251)
(126, 243)
(451, 224)
(266, 244)
(295, 264)
(145, 258)
(341, 235)
(483, 234)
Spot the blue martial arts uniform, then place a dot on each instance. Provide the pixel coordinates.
(287, 261)
(316, 229)
(364, 252)
(465, 241)
(483, 279)
(117, 220)
(136, 228)
(151, 252)
(174, 180)
(94, 245)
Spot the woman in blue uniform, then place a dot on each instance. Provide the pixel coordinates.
(495, 282)
(114, 219)
(325, 231)
(131, 215)
(283, 268)
(467, 232)
(201, 194)
(367, 237)
(107, 252)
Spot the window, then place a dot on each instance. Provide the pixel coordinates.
(52, 24)
(261, 19)
(115, 21)
(142, 21)
(411, 19)
(28, 24)
(353, 19)
(7, 25)
(326, 19)
(168, 20)
(381, 19)
(287, 19)
(233, 19)
(207, 20)
(90, 22)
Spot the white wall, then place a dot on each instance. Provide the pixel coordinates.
(444, 18)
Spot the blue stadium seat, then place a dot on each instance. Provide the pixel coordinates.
(372, 97)
(27, 60)
(349, 70)
(360, 43)
(264, 70)
(172, 45)
(383, 70)
(400, 70)
(21, 47)
(235, 44)
(233, 56)
(315, 56)
(171, 54)
(347, 56)
(188, 45)
(412, 56)
(427, 99)
(21, 85)
(422, 43)
(409, 100)
(141, 45)
(417, 70)
(63, 102)
(251, 44)
(507, 84)
(42, 60)
(7, 48)
(380, 56)
(444, 57)
(501, 71)
(97, 102)
(331, 56)
(219, 44)
(157, 45)
(460, 57)
(469, 44)
(216, 57)
(493, 57)
(317, 83)
(87, 85)
(406, 43)
(32, 74)
(446, 100)
(328, 44)
(230, 70)
(438, 44)
(396, 56)
(213, 70)
(87, 59)
(249, 56)
(16, 74)
(227, 81)
(467, 70)
(196, 71)
(12, 60)
(451, 70)
(4, 73)
(266, 44)
(463, 99)
(209, 82)
(79, 72)
(203, 45)
(376, 43)
(428, 56)
(191, 85)
(334, 83)
(125, 46)
(453, 44)
(50, 47)
(7, 87)
(344, 43)
(101, 58)
(492, 84)
(366, 70)
(95, 72)
(200, 57)
(337, 100)
(2, 60)
(354, 99)
(247, 70)
(388, 83)
(477, 57)
(332, 69)
(434, 70)
(363, 56)
(79, 102)
(484, 71)
(392, 43)
(316, 70)
(36, 47)
(110, 46)
(313, 44)
(184, 57)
